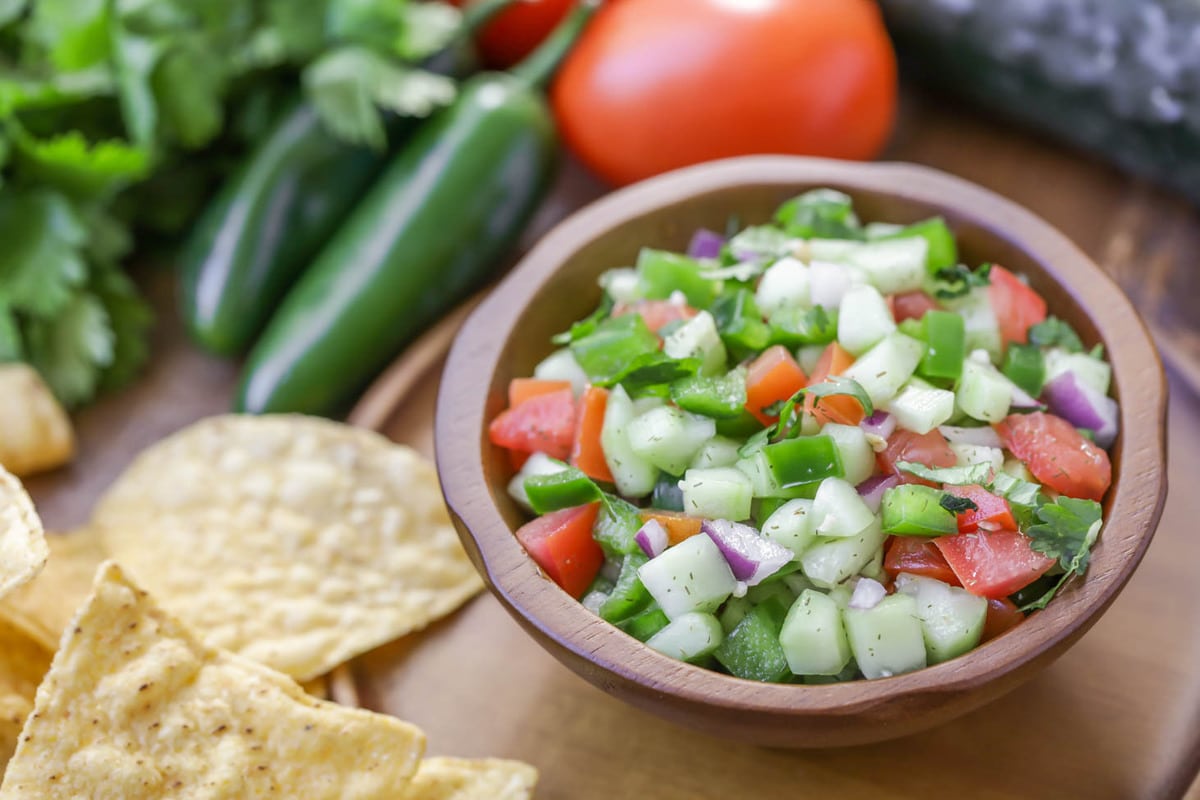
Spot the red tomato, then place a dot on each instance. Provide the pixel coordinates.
(1002, 614)
(1016, 305)
(656, 313)
(911, 305)
(544, 423)
(1057, 454)
(772, 377)
(561, 543)
(930, 449)
(659, 84)
(588, 452)
(838, 408)
(993, 563)
(917, 555)
(515, 32)
(522, 389)
(993, 513)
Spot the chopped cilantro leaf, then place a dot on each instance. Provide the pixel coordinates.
(958, 281)
(955, 476)
(1053, 332)
(957, 505)
(1066, 530)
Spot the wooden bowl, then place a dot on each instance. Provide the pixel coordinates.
(556, 284)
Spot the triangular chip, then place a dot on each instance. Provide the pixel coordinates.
(22, 544)
(135, 707)
(35, 431)
(298, 542)
(23, 663)
(472, 779)
(49, 601)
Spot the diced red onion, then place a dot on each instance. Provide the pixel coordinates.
(871, 490)
(751, 557)
(652, 538)
(867, 594)
(1083, 406)
(983, 436)
(1024, 401)
(881, 424)
(706, 244)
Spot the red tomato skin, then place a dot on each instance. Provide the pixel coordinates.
(772, 377)
(1057, 454)
(518, 30)
(655, 85)
(561, 543)
(912, 305)
(1016, 304)
(656, 313)
(544, 423)
(994, 512)
(993, 564)
(1002, 615)
(930, 449)
(917, 555)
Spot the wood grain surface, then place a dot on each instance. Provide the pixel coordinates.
(1117, 717)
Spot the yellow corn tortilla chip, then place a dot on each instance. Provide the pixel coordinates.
(35, 432)
(472, 779)
(49, 601)
(296, 541)
(22, 543)
(136, 707)
(23, 662)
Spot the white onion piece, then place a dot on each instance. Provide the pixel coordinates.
(881, 424)
(867, 594)
(652, 538)
(1023, 400)
(1083, 406)
(751, 557)
(828, 283)
(983, 436)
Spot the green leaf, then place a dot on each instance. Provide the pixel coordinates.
(426, 28)
(608, 352)
(820, 213)
(1067, 530)
(653, 372)
(74, 33)
(11, 346)
(70, 163)
(955, 476)
(587, 325)
(134, 59)
(1024, 498)
(10, 10)
(958, 281)
(22, 92)
(40, 262)
(1053, 332)
(71, 350)
(300, 28)
(131, 319)
(955, 504)
(839, 385)
(189, 86)
(347, 86)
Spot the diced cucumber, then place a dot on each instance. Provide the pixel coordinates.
(839, 510)
(886, 640)
(668, 438)
(874, 568)
(622, 284)
(785, 284)
(698, 338)
(691, 576)
(752, 649)
(841, 594)
(914, 510)
(773, 591)
(536, 464)
(718, 451)
(813, 637)
(979, 321)
(562, 366)
(628, 595)
(633, 475)
(733, 612)
(883, 369)
(797, 582)
(828, 562)
(808, 356)
(893, 265)
(881, 230)
(689, 637)
(1092, 371)
(717, 493)
(951, 617)
(858, 459)
(943, 252)
(792, 525)
(983, 393)
(863, 319)
(831, 249)
(967, 454)
(920, 407)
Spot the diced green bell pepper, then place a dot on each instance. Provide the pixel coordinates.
(661, 272)
(565, 489)
(803, 460)
(628, 596)
(914, 510)
(722, 397)
(1025, 366)
(946, 337)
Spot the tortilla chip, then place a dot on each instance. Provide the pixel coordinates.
(22, 543)
(49, 601)
(35, 432)
(472, 779)
(23, 662)
(296, 541)
(136, 707)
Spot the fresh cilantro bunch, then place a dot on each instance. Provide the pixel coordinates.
(119, 116)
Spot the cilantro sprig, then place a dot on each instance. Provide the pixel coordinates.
(1066, 530)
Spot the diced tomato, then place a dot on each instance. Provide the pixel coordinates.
(930, 449)
(1016, 305)
(517, 459)
(773, 376)
(993, 563)
(912, 305)
(656, 313)
(522, 389)
(1002, 614)
(993, 513)
(1057, 454)
(840, 409)
(588, 453)
(561, 543)
(679, 526)
(919, 556)
(545, 423)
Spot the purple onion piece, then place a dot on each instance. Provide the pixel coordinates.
(983, 436)
(1083, 406)
(706, 244)
(871, 490)
(751, 558)
(652, 538)
(867, 594)
(881, 424)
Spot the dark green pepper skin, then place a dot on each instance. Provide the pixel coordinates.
(429, 231)
(264, 227)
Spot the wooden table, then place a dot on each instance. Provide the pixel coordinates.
(1117, 717)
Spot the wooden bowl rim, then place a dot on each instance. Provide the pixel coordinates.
(1134, 504)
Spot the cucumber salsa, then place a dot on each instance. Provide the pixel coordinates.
(813, 450)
